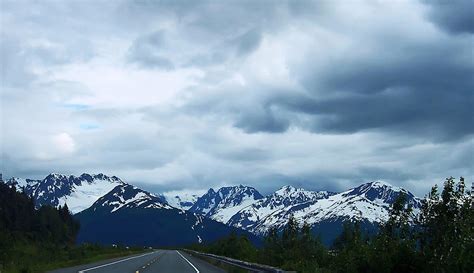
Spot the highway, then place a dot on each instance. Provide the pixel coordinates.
(158, 261)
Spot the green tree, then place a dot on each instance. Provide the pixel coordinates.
(393, 250)
(294, 249)
(272, 252)
(312, 254)
(23, 229)
(351, 250)
(446, 228)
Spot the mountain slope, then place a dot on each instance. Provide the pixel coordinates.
(182, 201)
(127, 196)
(251, 216)
(26, 185)
(222, 204)
(130, 216)
(368, 203)
(78, 193)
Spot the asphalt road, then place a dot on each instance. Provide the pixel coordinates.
(159, 261)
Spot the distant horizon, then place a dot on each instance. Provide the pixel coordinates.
(200, 192)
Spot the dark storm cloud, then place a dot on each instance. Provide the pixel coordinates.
(453, 16)
(262, 119)
(424, 89)
(437, 116)
(433, 66)
(427, 91)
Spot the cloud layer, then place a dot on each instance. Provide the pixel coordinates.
(189, 95)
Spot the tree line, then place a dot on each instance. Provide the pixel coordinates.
(38, 240)
(438, 239)
(24, 228)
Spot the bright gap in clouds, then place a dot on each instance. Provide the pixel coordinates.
(64, 143)
(111, 86)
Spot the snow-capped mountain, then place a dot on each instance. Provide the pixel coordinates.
(369, 203)
(126, 196)
(181, 201)
(78, 192)
(128, 215)
(101, 197)
(287, 196)
(21, 184)
(222, 204)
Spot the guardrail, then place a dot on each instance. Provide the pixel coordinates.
(251, 267)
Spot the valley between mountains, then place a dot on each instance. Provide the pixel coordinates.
(112, 211)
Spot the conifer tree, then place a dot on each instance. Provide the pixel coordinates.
(447, 223)
(272, 253)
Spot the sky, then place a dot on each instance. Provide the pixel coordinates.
(186, 95)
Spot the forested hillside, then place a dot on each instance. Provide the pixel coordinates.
(34, 240)
(438, 240)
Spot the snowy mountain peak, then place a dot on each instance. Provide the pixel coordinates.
(380, 185)
(56, 175)
(285, 190)
(127, 196)
(182, 200)
(21, 183)
(78, 192)
(290, 191)
(378, 190)
(220, 205)
(68, 182)
(249, 217)
(288, 195)
(369, 202)
(237, 192)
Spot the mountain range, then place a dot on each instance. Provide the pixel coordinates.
(130, 216)
(79, 192)
(109, 208)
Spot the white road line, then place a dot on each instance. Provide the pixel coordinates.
(116, 262)
(197, 271)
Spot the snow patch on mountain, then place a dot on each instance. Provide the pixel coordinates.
(83, 195)
(181, 200)
(21, 184)
(368, 202)
(222, 204)
(127, 196)
(78, 192)
(250, 216)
